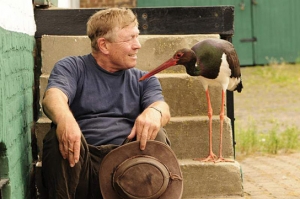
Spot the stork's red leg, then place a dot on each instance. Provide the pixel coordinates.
(221, 159)
(211, 156)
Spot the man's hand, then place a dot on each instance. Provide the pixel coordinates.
(55, 105)
(69, 138)
(146, 126)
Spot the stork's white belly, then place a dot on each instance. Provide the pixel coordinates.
(223, 77)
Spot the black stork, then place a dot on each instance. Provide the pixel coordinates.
(213, 60)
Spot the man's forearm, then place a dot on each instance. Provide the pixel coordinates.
(55, 104)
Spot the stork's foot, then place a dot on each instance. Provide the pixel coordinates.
(221, 159)
(210, 158)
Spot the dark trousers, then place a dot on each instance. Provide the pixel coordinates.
(81, 181)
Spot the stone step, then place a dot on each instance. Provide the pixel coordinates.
(190, 139)
(188, 128)
(205, 180)
(188, 135)
(184, 94)
(200, 180)
(155, 48)
(42, 127)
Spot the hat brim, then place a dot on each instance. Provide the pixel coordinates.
(156, 149)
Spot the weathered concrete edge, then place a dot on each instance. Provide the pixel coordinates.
(211, 179)
(155, 48)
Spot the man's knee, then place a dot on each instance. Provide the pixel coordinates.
(50, 142)
(162, 136)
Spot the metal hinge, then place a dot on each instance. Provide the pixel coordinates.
(253, 39)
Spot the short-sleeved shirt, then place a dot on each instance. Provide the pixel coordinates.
(104, 104)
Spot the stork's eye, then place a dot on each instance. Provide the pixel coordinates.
(178, 55)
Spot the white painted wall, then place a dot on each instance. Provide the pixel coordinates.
(68, 4)
(17, 16)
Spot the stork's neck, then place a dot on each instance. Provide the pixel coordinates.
(189, 61)
(192, 69)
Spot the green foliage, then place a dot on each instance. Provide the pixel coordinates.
(278, 74)
(271, 142)
(267, 110)
(273, 61)
(250, 141)
(290, 139)
(247, 140)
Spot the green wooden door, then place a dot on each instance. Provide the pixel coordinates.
(276, 27)
(266, 31)
(242, 21)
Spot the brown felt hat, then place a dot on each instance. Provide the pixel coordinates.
(130, 173)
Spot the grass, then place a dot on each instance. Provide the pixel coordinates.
(282, 75)
(272, 142)
(266, 111)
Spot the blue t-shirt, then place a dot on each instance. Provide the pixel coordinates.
(104, 104)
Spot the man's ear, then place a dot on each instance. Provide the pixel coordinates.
(102, 45)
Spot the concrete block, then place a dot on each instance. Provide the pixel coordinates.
(55, 48)
(186, 95)
(188, 128)
(155, 48)
(202, 180)
(43, 84)
(189, 137)
(42, 127)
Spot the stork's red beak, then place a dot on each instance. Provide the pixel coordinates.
(165, 65)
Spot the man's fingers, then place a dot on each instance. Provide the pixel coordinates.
(144, 138)
(149, 134)
(71, 154)
(153, 135)
(138, 130)
(62, 151)
(76, 151)
(144, 130)
(69, 137)
(132, 133)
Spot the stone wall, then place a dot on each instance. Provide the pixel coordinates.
(16, 96)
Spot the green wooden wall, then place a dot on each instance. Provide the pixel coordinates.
(16, 114)
(265, 30)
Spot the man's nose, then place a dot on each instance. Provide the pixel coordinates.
(136, 44)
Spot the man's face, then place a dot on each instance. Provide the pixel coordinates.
(123, 50)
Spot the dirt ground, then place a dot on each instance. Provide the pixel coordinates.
(269, 105)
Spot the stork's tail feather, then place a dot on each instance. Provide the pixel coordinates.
(239, 87)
